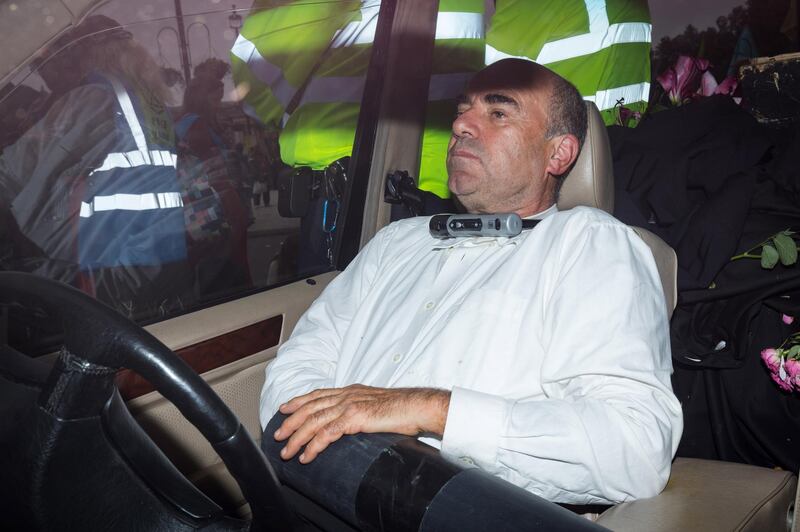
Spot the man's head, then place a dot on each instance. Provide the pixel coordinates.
(63, 64)
(518, 131)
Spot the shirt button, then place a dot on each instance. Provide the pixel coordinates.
(397, 357)
(429, 305)
(466, 460)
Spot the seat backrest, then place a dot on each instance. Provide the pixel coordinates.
(591, 183)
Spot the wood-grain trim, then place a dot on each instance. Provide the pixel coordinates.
(212, 353)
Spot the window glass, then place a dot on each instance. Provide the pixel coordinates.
(164, 156)
(725, 32)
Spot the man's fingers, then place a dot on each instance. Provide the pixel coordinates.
(302, 413)
(307, 430)
(291, 406)
(323, 438)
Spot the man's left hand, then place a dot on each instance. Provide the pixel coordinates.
(321, 417)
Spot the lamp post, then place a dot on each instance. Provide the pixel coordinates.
(187, 73)
(235, 21)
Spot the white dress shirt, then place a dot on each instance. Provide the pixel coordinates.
(555, 344)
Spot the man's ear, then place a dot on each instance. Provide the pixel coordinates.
(563, 152)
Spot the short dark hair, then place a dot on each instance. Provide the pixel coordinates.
(566, 114)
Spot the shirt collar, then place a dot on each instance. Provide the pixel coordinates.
(475, 241)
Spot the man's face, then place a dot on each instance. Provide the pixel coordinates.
(496, 160)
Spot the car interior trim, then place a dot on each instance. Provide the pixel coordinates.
(212, 353)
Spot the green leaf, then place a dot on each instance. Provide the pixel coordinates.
(769, 257)
(787, 250)
(794, 351)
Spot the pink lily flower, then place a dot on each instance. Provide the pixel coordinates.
(681, 82)
(772, 358)
(787, 319)
(708, 84)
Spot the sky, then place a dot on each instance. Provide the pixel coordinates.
(670, 17)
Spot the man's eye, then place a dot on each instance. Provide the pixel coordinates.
(498, 114)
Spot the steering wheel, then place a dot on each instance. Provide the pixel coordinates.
(100, 338)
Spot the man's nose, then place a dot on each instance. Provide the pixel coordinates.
(464, 125)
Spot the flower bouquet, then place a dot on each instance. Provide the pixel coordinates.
(783, 362)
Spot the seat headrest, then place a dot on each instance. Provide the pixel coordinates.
(591, 180)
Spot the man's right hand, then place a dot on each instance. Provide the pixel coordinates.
(321, 417)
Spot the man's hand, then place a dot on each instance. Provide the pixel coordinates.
(321, 417)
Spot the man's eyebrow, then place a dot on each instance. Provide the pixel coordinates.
(495, 98)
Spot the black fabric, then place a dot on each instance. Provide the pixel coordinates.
(712, 182)
(391, 482)
(399, 486)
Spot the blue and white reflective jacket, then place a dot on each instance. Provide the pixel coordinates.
(131, 211)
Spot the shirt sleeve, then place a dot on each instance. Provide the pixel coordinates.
(608, 425)
(308, 359)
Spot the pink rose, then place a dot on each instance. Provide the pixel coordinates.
(792, 369)
(772, 358)
(784, 385)
(787, 319)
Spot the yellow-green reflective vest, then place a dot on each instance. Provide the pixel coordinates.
(601, 46)
(320, 52)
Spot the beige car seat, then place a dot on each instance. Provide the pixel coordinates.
(702, 495)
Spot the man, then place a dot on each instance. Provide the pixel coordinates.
(543, 359)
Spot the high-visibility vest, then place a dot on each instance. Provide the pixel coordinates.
(321, 50)
(131, 213)
(308, 58)
(601, 46)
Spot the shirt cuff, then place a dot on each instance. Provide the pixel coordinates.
(473, 428)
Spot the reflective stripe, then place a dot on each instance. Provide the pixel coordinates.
(607, 99)
(130, 117)
(601, 35)
(361, 31)
(132, 202)
(588, 43)
(143, 156)
(598, 17)
(132, 159)
(263, 70)
(454, 25)
(449, 25)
